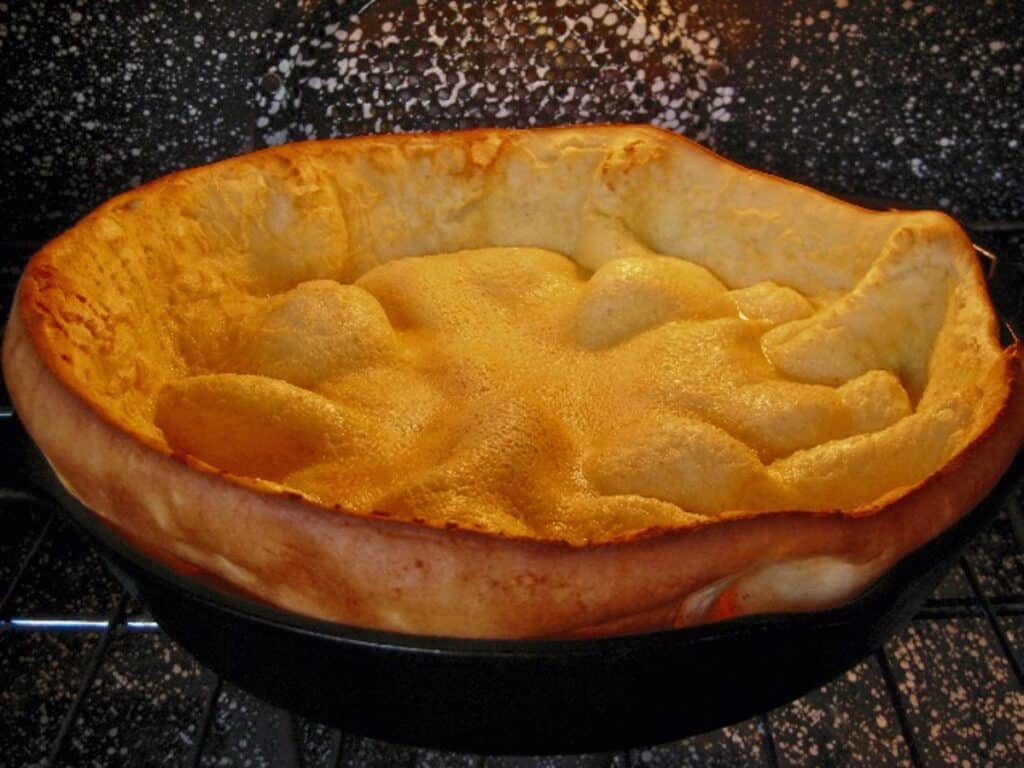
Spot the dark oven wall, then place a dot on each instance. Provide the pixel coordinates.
(893, 100)
(914, 102)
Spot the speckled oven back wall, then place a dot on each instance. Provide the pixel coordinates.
(912, 101)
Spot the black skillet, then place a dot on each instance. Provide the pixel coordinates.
(526, 697)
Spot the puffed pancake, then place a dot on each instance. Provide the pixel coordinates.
(559, 382)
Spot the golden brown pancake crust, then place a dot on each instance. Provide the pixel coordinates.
(250, 368)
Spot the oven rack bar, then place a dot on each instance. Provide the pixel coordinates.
(934, 610)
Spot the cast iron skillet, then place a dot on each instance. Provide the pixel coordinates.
(526, 697)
